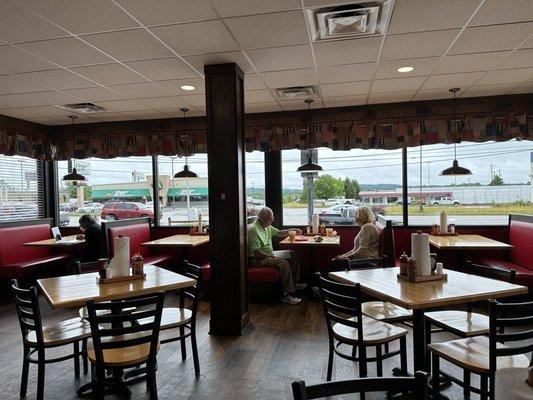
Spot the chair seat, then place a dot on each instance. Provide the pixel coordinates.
(84, 314)
(123, 357)
(374, 332)
(473, 354)
(463, 323)
(64, 332)
(385, 311)
(172, 317)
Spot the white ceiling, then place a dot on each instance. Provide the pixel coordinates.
(132, 56)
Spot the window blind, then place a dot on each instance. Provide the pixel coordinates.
(21, 191)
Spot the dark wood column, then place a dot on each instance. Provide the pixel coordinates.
(273, 189)
(224, 87)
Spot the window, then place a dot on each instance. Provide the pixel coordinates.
(112, 189)
(255, 183)
(349, 179)
(21, 194)
(500, 183)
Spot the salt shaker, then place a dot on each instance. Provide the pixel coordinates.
(440, 269)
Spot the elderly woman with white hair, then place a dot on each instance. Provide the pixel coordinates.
(366, 243)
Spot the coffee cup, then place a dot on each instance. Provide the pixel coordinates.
(292, 236)
(329, 232)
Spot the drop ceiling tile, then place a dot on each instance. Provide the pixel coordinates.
(452, 80)
(162, 102)
(176, 113)
(397, 85)
(345, 89)
(35, 99)
(346, 73)
(34, 112)
(197, 38)
(347, 51)
(109, 74)
(492, 38)
(345, 101)
(424, 15)
(20, 25)
(168, 11)
(501, 12)
(422, 67)
(470, 62)
(136, 44)
(174, 86)
(269, 30)
(417, 45)
(528, 44)
(432, 94)
(290, 105)
(94, 94)
(140, 90)
(518, 59)
(66, 52)
(258, 96)
(58, 79)
(15, 60)
(153, 114)
(49, 121)
(123, 105)
(235, 8)
(237, 57)
(281, 58)
(296, 77)
(488, 90)
(163, 69)
(11, 84)
(262, 107)
(393, 97)
(196, 100)
(253, 82)
(110, 117)
(523, 89)
(83, 16)
(507, 76)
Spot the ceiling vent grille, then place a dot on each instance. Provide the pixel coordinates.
(296, 92)
(349, 19)
(84, 108)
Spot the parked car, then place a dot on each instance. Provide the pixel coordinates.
(91, 208)
(68, 207)
(64, 218)
(445, 201)
(113, 210)
(344, 217)
(338, 209)
(339, 200)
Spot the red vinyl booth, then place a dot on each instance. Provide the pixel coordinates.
(18, 261)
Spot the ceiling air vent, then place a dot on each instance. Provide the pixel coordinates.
(349, 19)
(296, 92)
(84, 108)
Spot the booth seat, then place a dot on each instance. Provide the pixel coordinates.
(18, 261)
(138, 234)
(520, 258)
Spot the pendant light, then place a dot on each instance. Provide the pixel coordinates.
(186, 172)
(309, 166)
(73, 175)
(455, 169)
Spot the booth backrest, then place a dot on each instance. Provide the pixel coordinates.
(138, 234)
(521, 237)
(12, 238)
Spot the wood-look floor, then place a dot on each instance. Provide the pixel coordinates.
(282, 343)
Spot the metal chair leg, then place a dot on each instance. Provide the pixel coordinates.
(379, 361)
(76, 346)
(84, 356)
(24, 376)
(330, 361)
(466, 381)
(40, 378)
(403, 355)
(483, 385)
(182, 342)
(363, 372)
(435, 376)
(194, 346)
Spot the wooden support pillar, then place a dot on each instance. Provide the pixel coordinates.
(273, 189)
(224, 87)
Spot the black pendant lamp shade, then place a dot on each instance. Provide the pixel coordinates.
(186, 172)
(73, 175)
(455, 169)
(309, 166)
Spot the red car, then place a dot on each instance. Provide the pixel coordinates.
(124, 209)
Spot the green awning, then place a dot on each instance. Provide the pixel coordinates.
(120, 193)
(183, 192)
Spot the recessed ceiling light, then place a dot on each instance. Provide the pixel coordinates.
(188, 87)
(405, 69)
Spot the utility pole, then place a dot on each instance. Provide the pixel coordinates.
(491, 166)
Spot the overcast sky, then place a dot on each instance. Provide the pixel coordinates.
(511, 158)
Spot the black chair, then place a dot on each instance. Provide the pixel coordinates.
(184, 318)
(484, 355)
(417, 385)
(116, 346)
(36, 338)
(348, 326)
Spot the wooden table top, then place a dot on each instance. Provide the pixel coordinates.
(460, 288)
(74, 290)
(179, 241)
(65, 241)
(466, 242)
(331, 241)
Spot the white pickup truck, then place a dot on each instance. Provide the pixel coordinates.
(446, 201)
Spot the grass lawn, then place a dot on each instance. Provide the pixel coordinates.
(496, 209)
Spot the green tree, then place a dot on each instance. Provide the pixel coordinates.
(351, 188)
(327, 187)
(497, 180)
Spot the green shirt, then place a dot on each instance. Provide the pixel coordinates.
(260, 238)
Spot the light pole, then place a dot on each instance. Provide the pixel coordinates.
(172, 178)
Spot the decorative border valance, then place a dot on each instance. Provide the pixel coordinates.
(334, 135)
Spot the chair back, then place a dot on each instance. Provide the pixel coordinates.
(191, 293)
(28, 311)
(342, 304)
(501, 274)
(519, 316)
(417, 385)
(85, 267)
(379, 262)
(108, 329)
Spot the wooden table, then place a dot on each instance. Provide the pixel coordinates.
(331, 241)
(460, 288)
(65, 241)
(467, 242)
(179, 241)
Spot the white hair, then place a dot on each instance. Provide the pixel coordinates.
(263, 213)
(365, 214)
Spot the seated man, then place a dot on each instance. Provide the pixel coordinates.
(261, 252)
(91, 230)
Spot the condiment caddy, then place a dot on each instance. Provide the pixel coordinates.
(443, 229)
(136, 272)
(426, 268)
